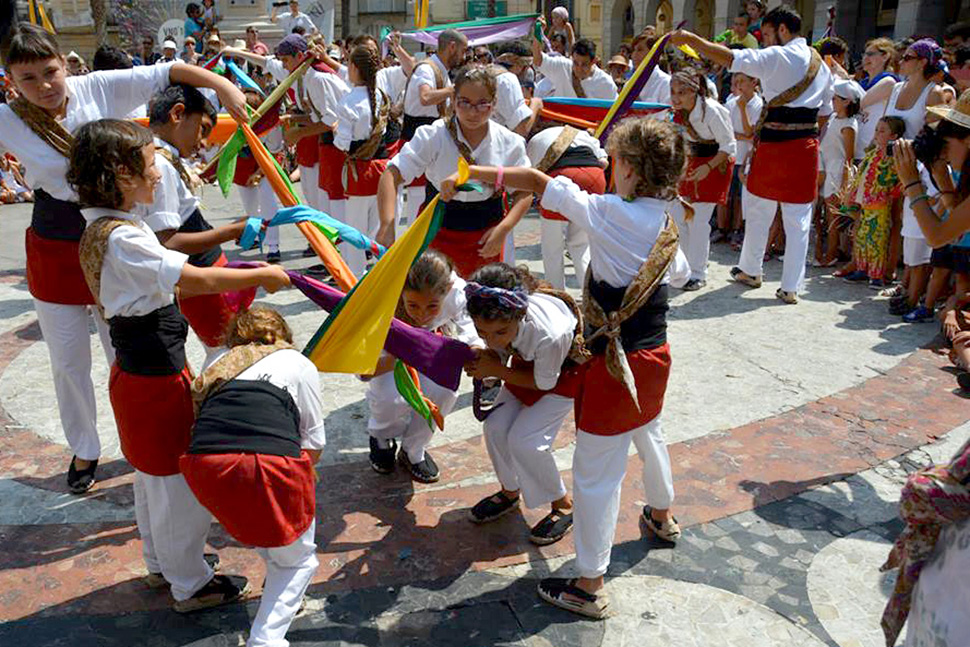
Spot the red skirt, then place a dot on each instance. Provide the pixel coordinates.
(261, 500)
(785, 171)
(603, 406)
(463, 248)
(591, 179)
(308, 150)
(54, 271)
(245, 167)
(368, 175)
(714, 188)
(567, 386)
(331, 164)
(154, 416)
(209, 314)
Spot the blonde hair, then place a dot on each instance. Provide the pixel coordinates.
(258, 325)
(431, 272)
(657, 152)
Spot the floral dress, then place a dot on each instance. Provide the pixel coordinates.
(874, 189)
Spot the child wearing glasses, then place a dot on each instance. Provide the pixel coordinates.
(476, 224)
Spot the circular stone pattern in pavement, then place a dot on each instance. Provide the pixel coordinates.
(847, 591)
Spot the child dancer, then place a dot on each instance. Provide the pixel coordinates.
(37, 127)
(872, 194)
(433, 299)
(836, 150)
(181, 118)
(744, 106)
(563, 150)
(633, 254)
(474, 230)
(134, 278)
(258, 434)
(540, 332)
(712, 148)
(362, 132)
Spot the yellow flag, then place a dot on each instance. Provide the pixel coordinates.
(422, 12)
(44, 20)
(33, 12)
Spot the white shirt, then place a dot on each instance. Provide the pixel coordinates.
(288, 21)
(753, 110)
(289, 370)
(544, 87)
(657, 87)
(510, 106)
(832, 153)
(97, 95)
(174, 203)
(139, 273)
(432, 152)
(781, 67)
(392, 80)
(454, 314)
(424, 75)
(711, 120)
(598, 85)
(621, 233)
(541, 141)
(354, 117)
(545, 336)
(322, 91)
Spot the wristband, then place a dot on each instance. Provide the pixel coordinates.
(500, 179)
(917, 199)
(913, 183)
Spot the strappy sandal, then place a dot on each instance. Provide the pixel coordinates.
(563, 593)
(553, 527)
(80, 481)
(492, 507)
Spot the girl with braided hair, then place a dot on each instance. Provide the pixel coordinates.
(519, 319)
(633, 256)
(711, 152)
(362, 132)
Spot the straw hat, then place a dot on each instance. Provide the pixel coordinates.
(958, 114)
(619, 59)
(239, 43)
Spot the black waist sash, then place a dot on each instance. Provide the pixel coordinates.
(808, 117)
(411, 125)
(194, 224)
(468, 216)
(56, 219)
(647, 328)
(250, 416)
(152, 344)
(703, 149)
(576, 156)
(327, 137)
(379, 154)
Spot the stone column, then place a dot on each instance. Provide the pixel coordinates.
(925, 17)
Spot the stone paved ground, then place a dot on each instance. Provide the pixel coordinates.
(791, 431)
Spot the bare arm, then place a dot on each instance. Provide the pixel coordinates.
(714, 52)
(387, 203)
(430, 97)
(879, 93)
(231, 97)
(212, 280)
(525, 126)
(201, 241)
(848, 141)
(937, 232)
(514, 177)
(536, 51)
(407, 61)
(249, 57)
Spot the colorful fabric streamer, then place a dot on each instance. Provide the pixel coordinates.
(480, 32)
(409, 386)
(243, 78)
(332, 228)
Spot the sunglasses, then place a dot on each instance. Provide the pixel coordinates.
(481, 106)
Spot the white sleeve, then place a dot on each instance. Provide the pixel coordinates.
(417, 155)
(274, 67)
(423, 75)
(145, 260)
(344, 133)
(583, 138)
(759, 63)
(517, 155)
(549, 356)
(392, 80)
(163, 213)
(510, 102)
(719, 121)
(564, 197)
(310, 405)
(679, 271)
(119, 92)
(828, 93)
(559, 67)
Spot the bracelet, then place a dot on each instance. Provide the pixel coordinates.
(919, 198)
(500, 179)
(913, 183)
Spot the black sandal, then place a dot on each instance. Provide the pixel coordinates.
(80, 481)
(492, 507)
(553, 527)
(563, 593)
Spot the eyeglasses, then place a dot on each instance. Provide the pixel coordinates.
(481, 106)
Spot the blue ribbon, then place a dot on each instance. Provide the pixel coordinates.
(255, 233)
(243, 78)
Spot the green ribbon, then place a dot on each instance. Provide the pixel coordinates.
(410, 392)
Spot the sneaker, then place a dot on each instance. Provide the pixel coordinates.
(564, 593)
(492, 507)
(424, 472)
(963, 379)
(790, 298)
(221, 589)
(693, 285)
(80, 481)
(157, 580)
(553, 527)
(745, 279)
(382, 458)
(273, 258)
(922, 314)
(856, 276)
(308, 252)
(666, 530)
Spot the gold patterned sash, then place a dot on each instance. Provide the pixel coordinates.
(792, 93)
(92, 249)
(228, 367)
(557, 148)
(366, 150)
(44, 126)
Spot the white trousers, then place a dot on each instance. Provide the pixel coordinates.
(759, 213)
(695, 236)
(599, 465)
(261, 202)
(392, 417)
(361, 214)
(519, 441)
(309, 183)
(173, 526)
(415, 198)
(557, 236)
(289, 570)
(66, 330)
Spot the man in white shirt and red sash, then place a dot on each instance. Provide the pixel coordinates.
(798, 90)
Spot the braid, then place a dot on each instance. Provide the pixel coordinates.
(367, 62)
